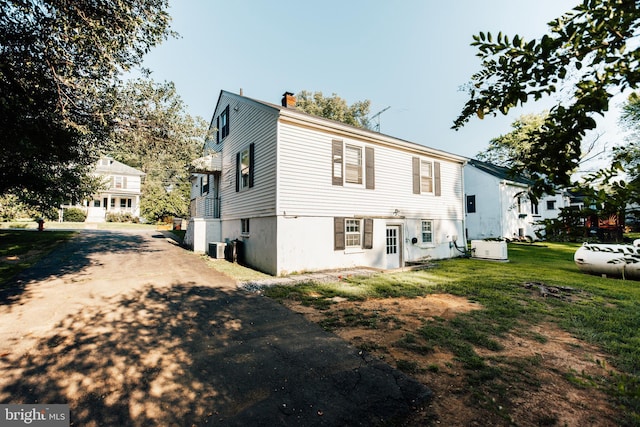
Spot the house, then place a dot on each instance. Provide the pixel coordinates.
(296, 192)
(121, 193)
(497, 205)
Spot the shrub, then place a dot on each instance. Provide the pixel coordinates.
(74, 215)
(121, 217)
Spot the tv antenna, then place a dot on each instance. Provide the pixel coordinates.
(376, 117)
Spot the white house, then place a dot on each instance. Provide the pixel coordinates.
(497, 205)
(121, 194)
(303, 193)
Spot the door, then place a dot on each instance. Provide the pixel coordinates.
(393, 246)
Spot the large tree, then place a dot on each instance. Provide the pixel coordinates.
(59, 60)
(586, 52)
(334, 108)
(507, 149)
(155, 134)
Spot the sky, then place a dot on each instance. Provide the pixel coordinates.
(410, 55)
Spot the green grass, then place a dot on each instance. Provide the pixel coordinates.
(601, 311)
(21, 249)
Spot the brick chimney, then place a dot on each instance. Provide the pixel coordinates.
(288, 100)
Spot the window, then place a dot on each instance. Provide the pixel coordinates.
(245, 160)
(471, 204)
(96, 203)
(427, 231)
(534, 209)
(353, 164)
(123, 203)
(244, 168)
(119, 182)
(519, 204)
(426, 176)
(223, 125)
(244, 226)
(204, 185)
(551, 205)
(352, 233)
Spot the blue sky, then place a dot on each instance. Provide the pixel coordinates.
(410, 55)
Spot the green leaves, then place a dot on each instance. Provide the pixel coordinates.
(58, 63)
(585, 53)
(334, 108)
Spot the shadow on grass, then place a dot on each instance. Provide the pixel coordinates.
(192, 355)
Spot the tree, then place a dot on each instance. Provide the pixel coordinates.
(586, 48)
(507, 150)
(334, 108)
(156, 135)
(59, 61)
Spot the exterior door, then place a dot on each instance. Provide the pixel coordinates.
(393, 246)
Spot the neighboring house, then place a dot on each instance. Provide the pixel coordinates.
(121, 194)
(497, 205)
(303, 193)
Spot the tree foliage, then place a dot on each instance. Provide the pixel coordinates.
(334, 108)
(59, 60)
(506, 149)
(156, 135)
(587, 51)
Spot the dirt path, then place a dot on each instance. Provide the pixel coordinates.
(130, 329)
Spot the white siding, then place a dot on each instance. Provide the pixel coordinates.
(248, 123)
(305, 186)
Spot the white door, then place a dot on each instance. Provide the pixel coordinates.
(393, 246)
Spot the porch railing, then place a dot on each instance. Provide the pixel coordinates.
(205, 207)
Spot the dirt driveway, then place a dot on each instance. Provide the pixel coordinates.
(131, 330)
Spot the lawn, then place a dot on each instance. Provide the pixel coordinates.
(539, 290)
(21, 249)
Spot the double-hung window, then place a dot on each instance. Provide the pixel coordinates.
(245, 168)
(353, 164)
(426, 176)
(352, 233)
(245, 165)
(426, 231)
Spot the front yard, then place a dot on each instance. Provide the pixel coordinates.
(528, 342)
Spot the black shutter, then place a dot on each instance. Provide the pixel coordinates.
(415, 163)
(338, 233)
(368, 233)
(237, 172)
(252, 163)
(228, 125)
(218, 130)
(436, 178)
(336, 162)
(369, 161)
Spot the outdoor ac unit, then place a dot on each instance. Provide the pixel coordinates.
(216, 249)
(489, 249)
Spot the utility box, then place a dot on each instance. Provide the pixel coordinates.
(495, 250)
(216, 249)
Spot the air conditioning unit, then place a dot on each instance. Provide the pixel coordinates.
(489, 249)
(216, 249)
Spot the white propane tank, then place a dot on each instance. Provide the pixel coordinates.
(610, 259)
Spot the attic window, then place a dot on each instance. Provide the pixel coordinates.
(223, 124)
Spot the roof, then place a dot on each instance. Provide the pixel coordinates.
(107, 165)
(299, 115)
(499, 172)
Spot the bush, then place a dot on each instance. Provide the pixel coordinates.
(74, 215)
(121, 217)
